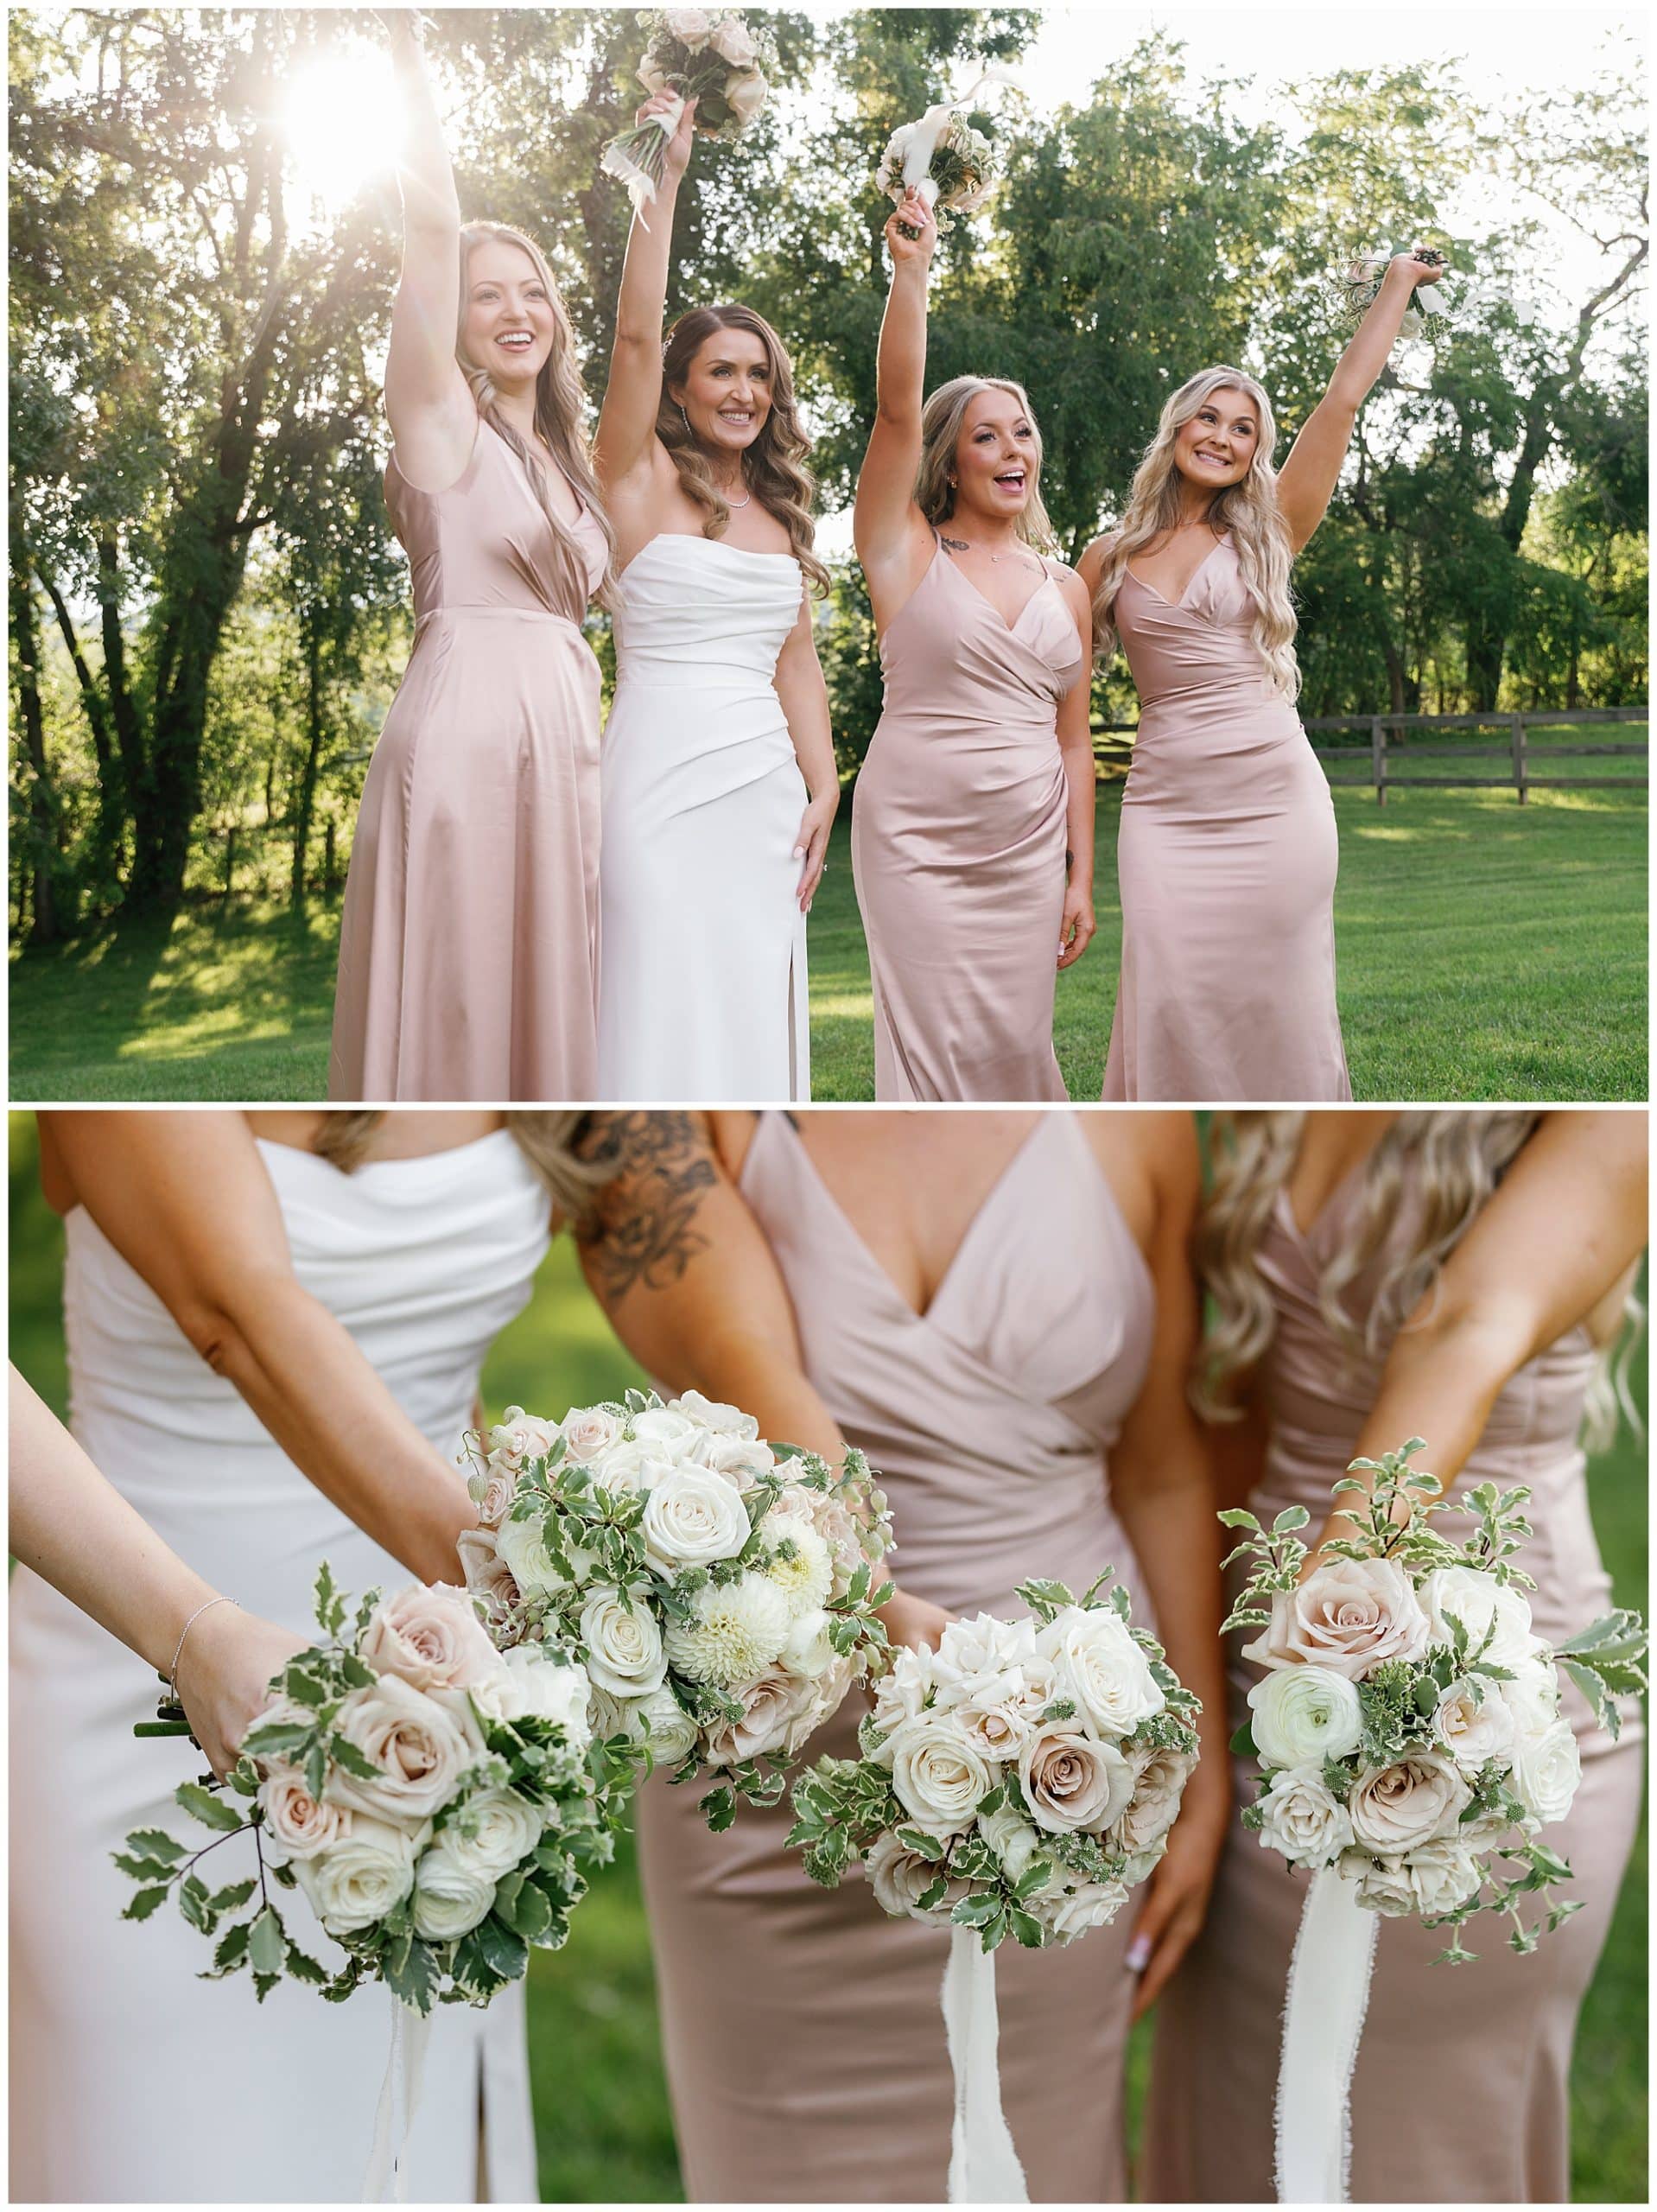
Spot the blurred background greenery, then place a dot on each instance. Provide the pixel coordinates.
(602, 2112)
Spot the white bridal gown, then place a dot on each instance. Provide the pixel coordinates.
(701, 991)
(130, 2079)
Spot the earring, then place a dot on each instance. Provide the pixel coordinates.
(685, 419)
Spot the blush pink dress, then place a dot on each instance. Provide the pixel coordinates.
(1226, 859)
(1461, 2090)
(468, 948)
(804, 2044)
(958, 843)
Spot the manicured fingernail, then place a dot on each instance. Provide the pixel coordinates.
(799, 852)
(1138, 1955)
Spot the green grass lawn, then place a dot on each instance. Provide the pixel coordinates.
(1486, 951)
(601, 2111)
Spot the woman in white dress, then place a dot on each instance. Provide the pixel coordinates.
(273, 1360)
(719, 782)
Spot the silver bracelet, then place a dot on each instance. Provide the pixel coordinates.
(172, 1672)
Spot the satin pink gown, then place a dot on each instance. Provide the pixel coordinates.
(1462, 2088)
(1226, 859)
(958, 843)
(468, 948)
(804, 2044)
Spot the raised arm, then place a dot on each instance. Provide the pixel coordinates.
(1556, 1245)
(1306, 481)
(1161, 1486)
(433, 421)
(76, 1532)
(185, 1198)
(624, 447)
(805, 706)
(893, 540)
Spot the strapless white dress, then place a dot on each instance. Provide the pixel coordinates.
(130, 2079)
(702, 985)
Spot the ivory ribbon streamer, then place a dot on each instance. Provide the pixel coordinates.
(1323, 2021)
(984, 2167)
(405, 2064)
(923, 136)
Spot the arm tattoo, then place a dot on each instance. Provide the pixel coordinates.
(660, 1169)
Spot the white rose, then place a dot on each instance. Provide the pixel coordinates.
(487, 1575)
(742, 1461)
(735, 1631)
(522, 1437)
(523, 1553)
(421, 1750)
(491, 1834)
(937, 1773)
(1002, 1713)
(1160, 1779)
(900, 1695)
(1302, 1820)
(588, 1431)
(1099, 1665)
(1475, 1729)
(450, 1897)
(900, 1878)
(1533, 1698)
(492, 1489)
(710, 1414)
(620, 1467)
(660, 1720)
(1442, 1873)
(1398, 1808)
(1011, 1837)
(810, 1651)
(430, 1637)
(362, 1878)
(612, 1716)
(664, 1431)
(1546, 1771)
(1350, 1616)
(1090, 1905)
(692, 1518)
(298, 1823)
(692, 27)
(746, 95)
(1384, 1884)
(621, 1644)
(1071, 1782)
(731, 41)
(769, 1704)
(534, 1686)
(1483, 1606)
(1302, 1715)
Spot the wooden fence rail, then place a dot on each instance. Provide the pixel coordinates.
(1389, 738)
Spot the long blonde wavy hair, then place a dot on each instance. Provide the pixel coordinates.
(773, 465)
(1453, 1161)
(549, 1141)
(559, 412)
(1248, 508)
(941, 421)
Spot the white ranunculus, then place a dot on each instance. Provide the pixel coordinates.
(432, 1637)
(450, 1897)
(1073, 1783)
(980, 1649)
(1398, 1808)
(1099, 1665)
(1303, 1715)
(523, 1553)
(746, 95)
(732, 42)
(692, 27)
(1475, 1729)
(619, 1468)
(711, 1413)
(492, 1832)
(621, 1644)
(1441, 1874)
(1160, 1779)
(692, 1518)
(1350, 1616)
(810, 1651)
(362, 1878)
(666, 1434)
(1546, 1771)
(1300, 1818)
(735, 1630)
(1483, 1606)
(900, 1695)
(1533, 1698)
(588, 1431)
(660, 1720)
(1011, 1837)
(937, 1773)
(900, 1878)
(536, 1685)
(1090, 1905)
(422, 1749)
(299, 1824)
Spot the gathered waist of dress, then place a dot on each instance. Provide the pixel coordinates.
(721, 680)
(1223, 696)
(465, 613)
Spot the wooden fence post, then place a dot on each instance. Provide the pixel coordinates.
(1521, 768)
(1378, 758)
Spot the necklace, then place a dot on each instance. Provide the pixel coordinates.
(730, 502)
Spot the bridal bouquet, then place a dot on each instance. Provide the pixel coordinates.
(1357, 283)
(714, 56)
(945, 154)
(430, 1796)
(1017, 1782)
(1408, 1725)
(720, 1593)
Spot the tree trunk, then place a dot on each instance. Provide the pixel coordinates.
(42, 800)
(112, 781)
(306, 800)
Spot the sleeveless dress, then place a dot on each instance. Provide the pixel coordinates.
(704, 998)
(468, 946)
(958, 841)
(130, 2079)
(1226, 859)
(1492, 2040)
(804, 2044)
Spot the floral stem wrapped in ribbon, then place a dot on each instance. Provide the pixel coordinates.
(1017, 1782)
(714, 56)
(945, 154)
(722, 1593)
(1411, 1748)
(1357, 283)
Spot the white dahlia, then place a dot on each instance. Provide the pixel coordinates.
(735, 1631)
(806, 1580)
